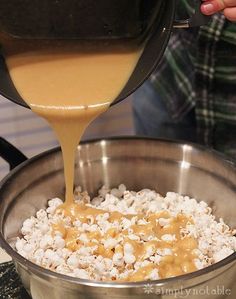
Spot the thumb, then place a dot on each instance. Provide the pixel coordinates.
(228, 7)
(210, 7)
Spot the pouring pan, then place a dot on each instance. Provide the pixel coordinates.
(138, 163)
(135, 21)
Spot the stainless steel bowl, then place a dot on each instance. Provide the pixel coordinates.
(139, 163)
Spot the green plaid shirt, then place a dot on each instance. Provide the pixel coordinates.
(199, 70)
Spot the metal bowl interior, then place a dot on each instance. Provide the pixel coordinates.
(138, 163)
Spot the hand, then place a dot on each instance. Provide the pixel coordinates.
(228, 7)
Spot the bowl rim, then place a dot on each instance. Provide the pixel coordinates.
(86, 282)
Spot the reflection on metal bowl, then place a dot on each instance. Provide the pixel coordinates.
(139, 163)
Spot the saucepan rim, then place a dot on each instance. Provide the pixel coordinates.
(36, 269)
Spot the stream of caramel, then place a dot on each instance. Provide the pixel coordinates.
(69, 83)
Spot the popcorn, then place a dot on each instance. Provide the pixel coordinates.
(164, 221)
(128, 244)
(81, 273)
(73, 262)
(59, 242)
(28, 248)
(110, 243)
(126, 223)
(108, 263)
(118, 259)
(164, 251)
(156, 259)
(154, 275)
(128, 249)
(199, 264)
(44, 228)
(46, 241)
(129, 258)
(133, 237)
(20, 244)
(168, 238)
(28, 225)
(150, 250)
(223, 253)
(41, 215)
(83, 238)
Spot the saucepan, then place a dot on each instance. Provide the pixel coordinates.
(139, 163)
(149, 22)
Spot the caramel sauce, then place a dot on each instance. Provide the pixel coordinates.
(69, 83)
(180, 262)
(79, 211)
(116, 216)
(141, 273)
(60, 227)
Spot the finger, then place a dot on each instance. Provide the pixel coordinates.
(230, 13)
(213, 6)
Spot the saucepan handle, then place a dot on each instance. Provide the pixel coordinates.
(197, 19)
(11, 154)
